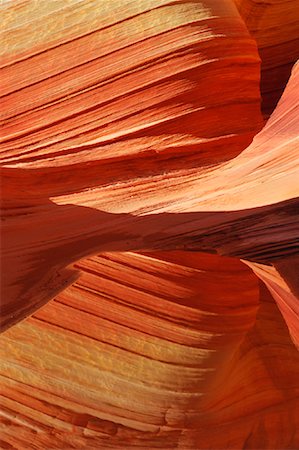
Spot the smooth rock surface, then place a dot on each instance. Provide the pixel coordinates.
(153, 352)
(125, 128)
(136, 174)
(274, 24)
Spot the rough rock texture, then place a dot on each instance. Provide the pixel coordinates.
(275, 26)
(129, 171)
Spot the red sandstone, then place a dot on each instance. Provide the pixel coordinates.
(149, 291)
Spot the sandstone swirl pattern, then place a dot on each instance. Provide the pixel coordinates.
(275, 27)
(137, 179)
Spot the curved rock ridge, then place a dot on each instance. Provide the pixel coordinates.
(170, 177)
(275, 27)
(141, 193)
(122, 125)
(153, 351)
(282, 281)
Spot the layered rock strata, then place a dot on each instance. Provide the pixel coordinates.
(275, 27)
(153, 352)
(130, 176)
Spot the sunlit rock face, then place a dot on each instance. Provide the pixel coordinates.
(149, 291)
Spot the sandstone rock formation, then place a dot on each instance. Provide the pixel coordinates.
(275, 27)
(153, 352)
(136, 173)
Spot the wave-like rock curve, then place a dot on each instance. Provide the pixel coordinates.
(137, 142)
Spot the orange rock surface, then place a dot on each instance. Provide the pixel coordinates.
(153, 352)
(149, 210)
(275, 26)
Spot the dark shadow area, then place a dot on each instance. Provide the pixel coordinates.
(40, 240)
